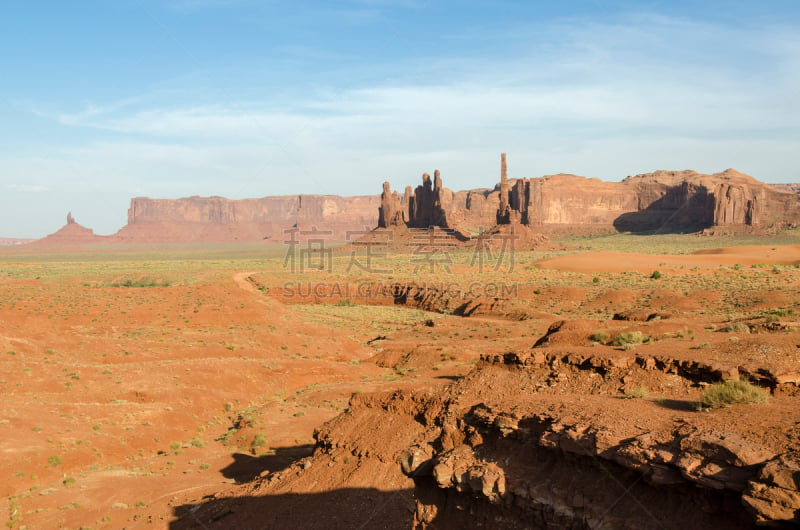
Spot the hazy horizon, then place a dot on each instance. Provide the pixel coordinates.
(106, 101)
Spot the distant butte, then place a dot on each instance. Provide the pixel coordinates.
(70, 235)
(659, 202)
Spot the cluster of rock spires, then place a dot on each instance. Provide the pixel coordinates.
(422, 208)
(665, 201)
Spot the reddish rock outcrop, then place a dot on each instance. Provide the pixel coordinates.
(504, 208)
(663, 201)
(220, 219)
(433, 205)
(70, 235)
(390, 212)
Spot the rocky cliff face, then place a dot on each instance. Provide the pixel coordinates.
(220, 219)
(542, 459)
(433, 205)
(792, 187)
(663, 201)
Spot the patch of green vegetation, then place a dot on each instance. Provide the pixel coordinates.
(637, 393)
(345, 303)
(736, 327)
(599, 336)
(732, 393)
(142, 282)
(258, 442)
(629, 338)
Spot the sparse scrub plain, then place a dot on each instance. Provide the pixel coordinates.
(158, 365)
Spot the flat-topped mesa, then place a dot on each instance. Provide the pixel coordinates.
(221, 219)
(662, 201)
(726, 201)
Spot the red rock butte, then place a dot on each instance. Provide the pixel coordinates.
(663, 201)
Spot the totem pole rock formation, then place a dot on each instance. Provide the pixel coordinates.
(390, 212)
(503, 210)
(662, 201)
(424, 208)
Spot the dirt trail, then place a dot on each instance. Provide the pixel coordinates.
(244, 281)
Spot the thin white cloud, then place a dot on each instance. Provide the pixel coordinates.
(27, 188)
(651, 72)
(604, 100)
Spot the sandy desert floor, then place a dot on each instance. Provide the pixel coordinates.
(139, 383)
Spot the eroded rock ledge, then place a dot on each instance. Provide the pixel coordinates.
(569, 451)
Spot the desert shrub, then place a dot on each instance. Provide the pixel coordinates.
(656, 275)
(599, 336)
(54, 460)
(778, 312)
(638, 392)
(629, 338)
(730, 393)
(142, 282)
(736, 327)
(258, 442)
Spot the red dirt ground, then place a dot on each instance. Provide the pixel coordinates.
(122, 404)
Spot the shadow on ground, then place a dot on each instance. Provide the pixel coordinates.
(342, 508)
(245, 468)
(678, 404)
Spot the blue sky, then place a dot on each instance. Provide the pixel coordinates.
(101, 101)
